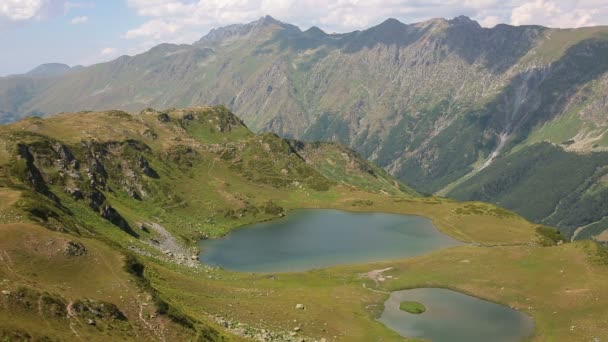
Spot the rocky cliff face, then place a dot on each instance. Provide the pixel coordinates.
(433, 103)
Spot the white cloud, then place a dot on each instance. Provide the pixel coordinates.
(79, 20)
(560, 13)
(109, 51)
(14, 12)
(490, 21)
(99, 56)
(182, 21)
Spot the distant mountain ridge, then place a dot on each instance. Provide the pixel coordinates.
(49, 69)
(441, 104)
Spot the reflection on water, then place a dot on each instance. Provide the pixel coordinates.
(308, 239)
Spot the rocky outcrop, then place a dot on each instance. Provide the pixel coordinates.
(66, 163)
(96, 173)
(73, 248)
(163, 117)
(96, 199)
(31, 175)
(74, 192)
(91, 309)
(44, 163)
(145, 167)
(110, 214)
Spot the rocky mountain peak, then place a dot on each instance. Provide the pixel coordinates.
(237, 31)
(463, 20)
(49, 69)
(267, 20)
(388, 26)
(315, 31)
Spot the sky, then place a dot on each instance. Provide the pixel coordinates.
(84, 32)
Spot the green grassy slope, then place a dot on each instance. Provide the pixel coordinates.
(139, 191)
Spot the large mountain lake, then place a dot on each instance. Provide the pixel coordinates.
(455, 317)
(316, 238)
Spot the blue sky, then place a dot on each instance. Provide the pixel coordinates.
(54, 38)
(85, 32)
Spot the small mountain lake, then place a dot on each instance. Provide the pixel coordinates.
(455, 317)
(316, 238)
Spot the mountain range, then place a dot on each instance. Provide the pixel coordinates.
(513, 115)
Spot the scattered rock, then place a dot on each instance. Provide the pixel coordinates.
(194, 257)
(96, 199)
(300, 306)
(148, 133)
(133, 194)
(73, 248)
(145, 167)
(163, 117)
(75, 193)
(296, 329)
(142, 227)
(91, 322)
(6, 293)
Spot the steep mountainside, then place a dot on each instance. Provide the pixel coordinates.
(433, 103)
(574, 190)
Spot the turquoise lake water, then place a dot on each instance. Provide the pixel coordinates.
(316, 238)
(455, 317)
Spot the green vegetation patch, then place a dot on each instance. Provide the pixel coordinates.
(412, 307)
(550, 236)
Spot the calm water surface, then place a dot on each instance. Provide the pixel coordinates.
(455, 317)
(308, 239)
